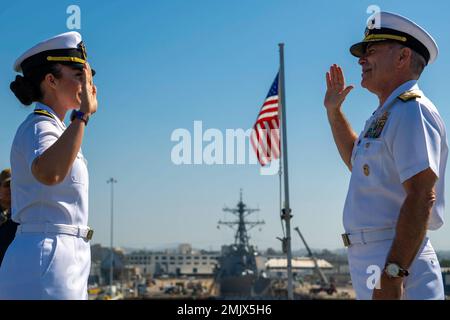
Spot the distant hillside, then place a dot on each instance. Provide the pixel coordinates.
(444, 254)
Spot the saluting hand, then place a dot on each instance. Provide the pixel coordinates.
(336, 90)
(89, 92)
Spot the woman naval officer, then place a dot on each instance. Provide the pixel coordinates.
(50, 255)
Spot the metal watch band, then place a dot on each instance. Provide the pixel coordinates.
(400, 273)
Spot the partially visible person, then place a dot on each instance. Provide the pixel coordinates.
(8, 227)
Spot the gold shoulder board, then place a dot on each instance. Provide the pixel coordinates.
(43, 113)
(408, 95)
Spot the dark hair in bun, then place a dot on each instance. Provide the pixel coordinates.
(27, 88)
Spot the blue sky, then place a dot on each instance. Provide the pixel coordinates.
(162, 64)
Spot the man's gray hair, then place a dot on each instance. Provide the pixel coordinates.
(418, 63)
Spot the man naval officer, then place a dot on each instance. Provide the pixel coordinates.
(397, 164)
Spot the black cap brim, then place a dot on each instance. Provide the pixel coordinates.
(80, 66)
(358, 49)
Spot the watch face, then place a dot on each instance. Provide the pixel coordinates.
(392, 269)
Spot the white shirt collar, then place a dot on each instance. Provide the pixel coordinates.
(407, 86)
(49, 109)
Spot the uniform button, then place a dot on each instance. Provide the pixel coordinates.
(367, 145)
(366, 169)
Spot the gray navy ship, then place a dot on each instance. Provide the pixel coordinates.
(237, 274)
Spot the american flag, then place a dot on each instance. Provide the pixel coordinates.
(265, 137)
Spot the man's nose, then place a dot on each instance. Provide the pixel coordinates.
(362, 59)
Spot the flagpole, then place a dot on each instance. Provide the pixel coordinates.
(286, 216)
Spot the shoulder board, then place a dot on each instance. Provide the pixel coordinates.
(409, 95)
(44, 113)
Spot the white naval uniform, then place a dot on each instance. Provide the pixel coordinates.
(412, 140)
(45, 265)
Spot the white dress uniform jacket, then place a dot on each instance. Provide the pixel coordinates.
(45, 265)
(412, 140)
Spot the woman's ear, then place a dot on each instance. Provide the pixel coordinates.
(51, 80)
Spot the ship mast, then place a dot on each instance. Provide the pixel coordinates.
(241, 238)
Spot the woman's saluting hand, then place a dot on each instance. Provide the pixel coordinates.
(89, 92)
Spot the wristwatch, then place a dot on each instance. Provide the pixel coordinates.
(76, 114)
(393, 270)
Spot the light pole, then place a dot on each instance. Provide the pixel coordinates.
(111, 267)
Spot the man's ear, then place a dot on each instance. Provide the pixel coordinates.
(405, 56)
